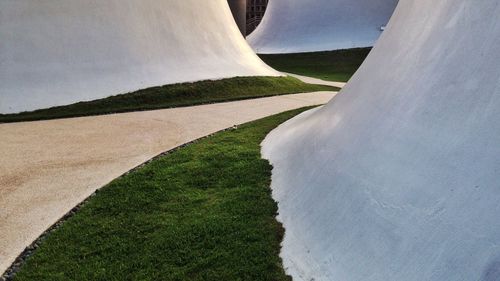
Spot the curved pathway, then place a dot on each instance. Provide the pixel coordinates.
(311, 80)
(48, 167)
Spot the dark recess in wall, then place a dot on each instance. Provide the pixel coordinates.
(255, 12)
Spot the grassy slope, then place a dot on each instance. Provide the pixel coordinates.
(203, 212)
(332, 66)
(175, 95)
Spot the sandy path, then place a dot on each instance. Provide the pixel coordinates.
(311, 80)
(48, 167)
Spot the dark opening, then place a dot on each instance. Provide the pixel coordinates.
(255, 12)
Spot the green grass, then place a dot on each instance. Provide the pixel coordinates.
(202, 212)
(336, 66)
(175, 95)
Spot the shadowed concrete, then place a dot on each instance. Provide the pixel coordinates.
(398, 178)
(239, 11)
(58, 52)
(48, 167)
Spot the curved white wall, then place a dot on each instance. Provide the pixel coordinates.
(398, 178)
(292, 26)
(56, 52)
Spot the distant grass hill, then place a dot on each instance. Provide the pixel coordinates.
(338, 66)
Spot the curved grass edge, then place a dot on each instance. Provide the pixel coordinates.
(174, 95)
(336, 66)
(206, 208)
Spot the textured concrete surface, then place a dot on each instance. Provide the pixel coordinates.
(398, 178)
(57, 52)
(292, 26)
(48, 167)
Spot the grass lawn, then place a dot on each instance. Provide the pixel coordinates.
(202, 212)
(338, 66)
(175, 95)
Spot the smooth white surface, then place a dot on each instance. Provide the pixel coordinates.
(398, 178)
(56, 52)
(292, 26)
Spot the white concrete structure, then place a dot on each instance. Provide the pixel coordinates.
(292, 26)
(56, 52)
(398, 178)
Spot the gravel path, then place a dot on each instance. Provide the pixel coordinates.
(311, 80)
(49, 167)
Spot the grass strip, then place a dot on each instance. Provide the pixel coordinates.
(201, 212)
(337, 66)
(176, 95)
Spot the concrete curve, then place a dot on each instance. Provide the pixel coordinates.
(239, 11)
(398, 177)
(56, 52)
(293, 26)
